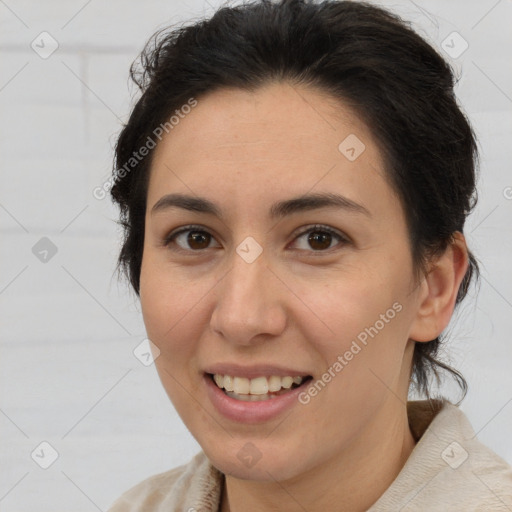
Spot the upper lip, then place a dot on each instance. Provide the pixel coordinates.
(253, 371)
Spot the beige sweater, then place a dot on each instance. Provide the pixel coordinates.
(448, 470)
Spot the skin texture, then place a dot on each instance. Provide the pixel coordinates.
(294, 305)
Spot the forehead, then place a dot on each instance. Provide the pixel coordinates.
(279, 138)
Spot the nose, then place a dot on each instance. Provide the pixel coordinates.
(248, 303)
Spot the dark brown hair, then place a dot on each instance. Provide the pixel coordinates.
(359, 53)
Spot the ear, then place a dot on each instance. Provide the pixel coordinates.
(438, 291)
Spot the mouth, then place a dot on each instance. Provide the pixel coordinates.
(259, 388)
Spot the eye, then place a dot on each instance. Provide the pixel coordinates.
(320, 238)
(193, 238)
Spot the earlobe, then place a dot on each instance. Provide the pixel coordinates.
(438, 291)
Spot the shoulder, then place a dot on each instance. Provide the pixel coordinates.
(449, 468)
(483, 478)
(190, 487)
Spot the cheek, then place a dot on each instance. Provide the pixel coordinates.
(365, 324)
(362, 351)
(170, 306)
(350, 305)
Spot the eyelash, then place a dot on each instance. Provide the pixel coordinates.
(315, 228)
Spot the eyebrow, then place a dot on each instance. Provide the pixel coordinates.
(280, 209)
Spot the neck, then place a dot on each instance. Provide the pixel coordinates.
(353, 480)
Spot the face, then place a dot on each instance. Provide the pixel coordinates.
(249, 279)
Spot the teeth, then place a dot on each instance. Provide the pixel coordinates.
(228, 383)
(249, 398)
(287, 382)
(274, 383)
(241, 385)
(257, 388)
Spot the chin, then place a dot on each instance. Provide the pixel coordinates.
(255, 460)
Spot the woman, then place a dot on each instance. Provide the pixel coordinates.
(293, 185)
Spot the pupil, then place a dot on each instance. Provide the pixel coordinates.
(319, 240)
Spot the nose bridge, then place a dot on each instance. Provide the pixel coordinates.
(247, 304)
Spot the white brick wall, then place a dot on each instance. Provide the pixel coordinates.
(68, 375)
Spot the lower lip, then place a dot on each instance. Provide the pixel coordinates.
(251, 412)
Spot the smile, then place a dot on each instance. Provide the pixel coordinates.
(257, 389)
(253, 398)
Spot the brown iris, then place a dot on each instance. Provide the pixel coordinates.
(198, 239)
(319, 240)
